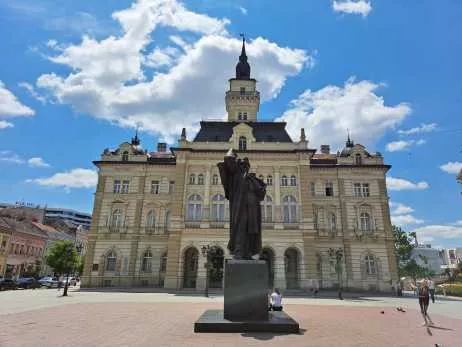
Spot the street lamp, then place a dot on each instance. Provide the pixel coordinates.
(206, 253)
(338, 253)
(69, 250)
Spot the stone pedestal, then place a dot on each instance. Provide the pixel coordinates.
(246, 290)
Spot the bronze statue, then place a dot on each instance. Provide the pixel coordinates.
(244, 192)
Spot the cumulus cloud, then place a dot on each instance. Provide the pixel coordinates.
(402, 184)
(30, 88)
(330, 111)
(37, 162)
(402, 145)
(4, 124)
(405, 219)
(10, 105)
(398, 208)
(243, 10)
(109, 76)
(432, 232)
(423, 128)
(361, 7)
(452, 167)
(75, 178)
(11, 157)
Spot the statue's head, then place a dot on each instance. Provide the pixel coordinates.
(245, 164)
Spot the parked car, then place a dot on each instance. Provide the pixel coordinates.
(48, 282)
(29, 282)
(71, 281)
(8, 283)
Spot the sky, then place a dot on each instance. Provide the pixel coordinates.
(79, 77)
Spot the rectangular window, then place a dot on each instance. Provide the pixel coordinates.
(357, 189)
(171, 187)
(155, 187)
(3, 244)
(116, 186)
(125, 185)
(313, 188)
(329, 189)
(242, 90)
(365, 189)
(95, 267)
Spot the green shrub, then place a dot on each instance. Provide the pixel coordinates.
(451, 290)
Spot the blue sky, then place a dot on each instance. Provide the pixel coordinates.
(78, 77)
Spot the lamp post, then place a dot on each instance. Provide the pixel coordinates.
(69, 250)
(206, 253)
(338, 253)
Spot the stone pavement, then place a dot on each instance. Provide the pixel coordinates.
(40, 318)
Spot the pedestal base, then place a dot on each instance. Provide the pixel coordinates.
(213, 321)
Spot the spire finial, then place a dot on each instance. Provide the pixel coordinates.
(243, 67)
(183, 134)
(349, 143)
(136, 140)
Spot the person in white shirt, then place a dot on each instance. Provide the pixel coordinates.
(276, 301)
(431, 288)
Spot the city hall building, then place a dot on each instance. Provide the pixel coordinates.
(155, 213)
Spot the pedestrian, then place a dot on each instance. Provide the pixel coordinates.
(431, 288)
(60, 284)
(424, 299)
(276, 301)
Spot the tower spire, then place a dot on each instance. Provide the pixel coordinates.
(349, 143)
(243, 67)
(136, 140)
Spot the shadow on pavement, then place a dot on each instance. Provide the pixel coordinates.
(269, 336)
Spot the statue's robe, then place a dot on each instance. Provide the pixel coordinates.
(244, 192)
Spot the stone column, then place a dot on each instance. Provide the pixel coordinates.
(133, 258)
(201, 273)
(309, 259)
(173, 260)
(279, 272)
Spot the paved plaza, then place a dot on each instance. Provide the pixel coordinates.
(42, 318)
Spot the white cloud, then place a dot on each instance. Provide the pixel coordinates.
(402, 184)
(423, 128)
(75, 178)
(108, 80)
(11, 157)
(399, 208)
(431, 232)
(37, 162)
(243, 10)
(402, 145)
(361, 7)
(452, 167)
(4, 124)
(458, 222)
(162, 57)
(10, 106)
(405, 219)
(330, 111)
(30, 88)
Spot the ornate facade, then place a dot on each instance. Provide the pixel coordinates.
(154, 212)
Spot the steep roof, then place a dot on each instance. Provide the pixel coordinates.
(222, 131)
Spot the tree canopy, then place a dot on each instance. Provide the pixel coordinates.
(62, 256)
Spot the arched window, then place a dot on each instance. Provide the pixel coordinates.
(332, 222)
(218, 207)
(117, 218)
(111, 260)
(200, 179)
(293, 180)
(195, 207)
(215, 179)
(269, 180)
(267, 209)
(284, 181)
(242, 143)
(370, 264)
(125, 156)
(365, 221)
(192, 179)
(290, 209)
(147, 262)
(358, 160)
(151, 220)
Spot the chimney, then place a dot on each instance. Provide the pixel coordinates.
(325, 149)
(161, 147)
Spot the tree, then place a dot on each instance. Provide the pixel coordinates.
(62, 258)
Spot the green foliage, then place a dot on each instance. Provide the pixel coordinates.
(414, 270)
(404, 244)
(62, 257)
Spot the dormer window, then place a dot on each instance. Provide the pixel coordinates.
(125, 156)
(242, 143)
(358, 160)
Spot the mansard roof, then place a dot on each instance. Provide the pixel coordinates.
(222, 131)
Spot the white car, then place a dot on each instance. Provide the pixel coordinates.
(71, 281)
(48, 282)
